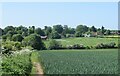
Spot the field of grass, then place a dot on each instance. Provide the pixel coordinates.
(91, 41)
(100, 61)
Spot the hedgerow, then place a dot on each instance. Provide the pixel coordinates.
(16, 64)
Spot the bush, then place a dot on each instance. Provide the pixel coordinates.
(17, 37)
(76, 46)
(16, 64)
(55, 35)
(34, 41)
(119, 45)
(104, 46)
(9, 46)
(4, 37)
(69, 35)
(17, 45)
(53, 44)
(79, 34)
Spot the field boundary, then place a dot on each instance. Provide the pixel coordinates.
(36, 68)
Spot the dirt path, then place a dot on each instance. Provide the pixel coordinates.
(38, 68)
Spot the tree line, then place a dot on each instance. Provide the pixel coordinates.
(16, 38)
(55, 32)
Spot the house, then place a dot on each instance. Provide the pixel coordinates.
(91, 34)
(86, 35)
(94, 34)
(43, 37)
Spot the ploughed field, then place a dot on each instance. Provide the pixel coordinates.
(94, 61)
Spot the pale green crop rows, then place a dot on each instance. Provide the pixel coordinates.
(103, 61)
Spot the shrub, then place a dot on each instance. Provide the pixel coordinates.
(17, 37)
(34, 41)
(53, 44)
(104, 46)
(17, 45)
(4, 37)
(69, 35)
(87, 47)
(118, 45)
(16, 64)
(78, 34)
(76, 46)
(69, 46)
(9, 46)
(55, 35)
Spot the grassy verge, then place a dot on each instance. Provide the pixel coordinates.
(34, 58)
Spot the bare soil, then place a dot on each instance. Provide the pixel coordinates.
(39, 71)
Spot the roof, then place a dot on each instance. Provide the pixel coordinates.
(43, 37)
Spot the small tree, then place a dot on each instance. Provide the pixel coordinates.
(34, 41)
(53, 44)
(55, 35)
(78, 34)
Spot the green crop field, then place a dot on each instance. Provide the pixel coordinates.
(91, 41)
(100, 61)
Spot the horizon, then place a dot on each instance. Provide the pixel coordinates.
(42, 14)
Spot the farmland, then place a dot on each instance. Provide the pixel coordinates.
(79, 61)
(91, 41)
(47, 38)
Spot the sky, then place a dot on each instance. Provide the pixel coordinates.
(42, 14)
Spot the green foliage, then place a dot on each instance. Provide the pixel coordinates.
(48, 31)
(81, 28)
(69, 35)
(55, 35)
(34, 41)
(8, 28)
(40, 32)
(16, 64)
(108, 32)
(4, 37)
(78, 34)
(104, 46)
(31, 30)
(53, 44)
(17, 45)
(58, 28)
(93, 29)
(98, 61)
(76, 46)
(10, 46)
(7, 48)
(102, 30)
(17, 37)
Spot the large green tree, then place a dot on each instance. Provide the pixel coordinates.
(40, 32)
(55, 35)
(93, 29)
(103, 30)
(58, 28)
(8, 28)
(34, 41)
(81, 28)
